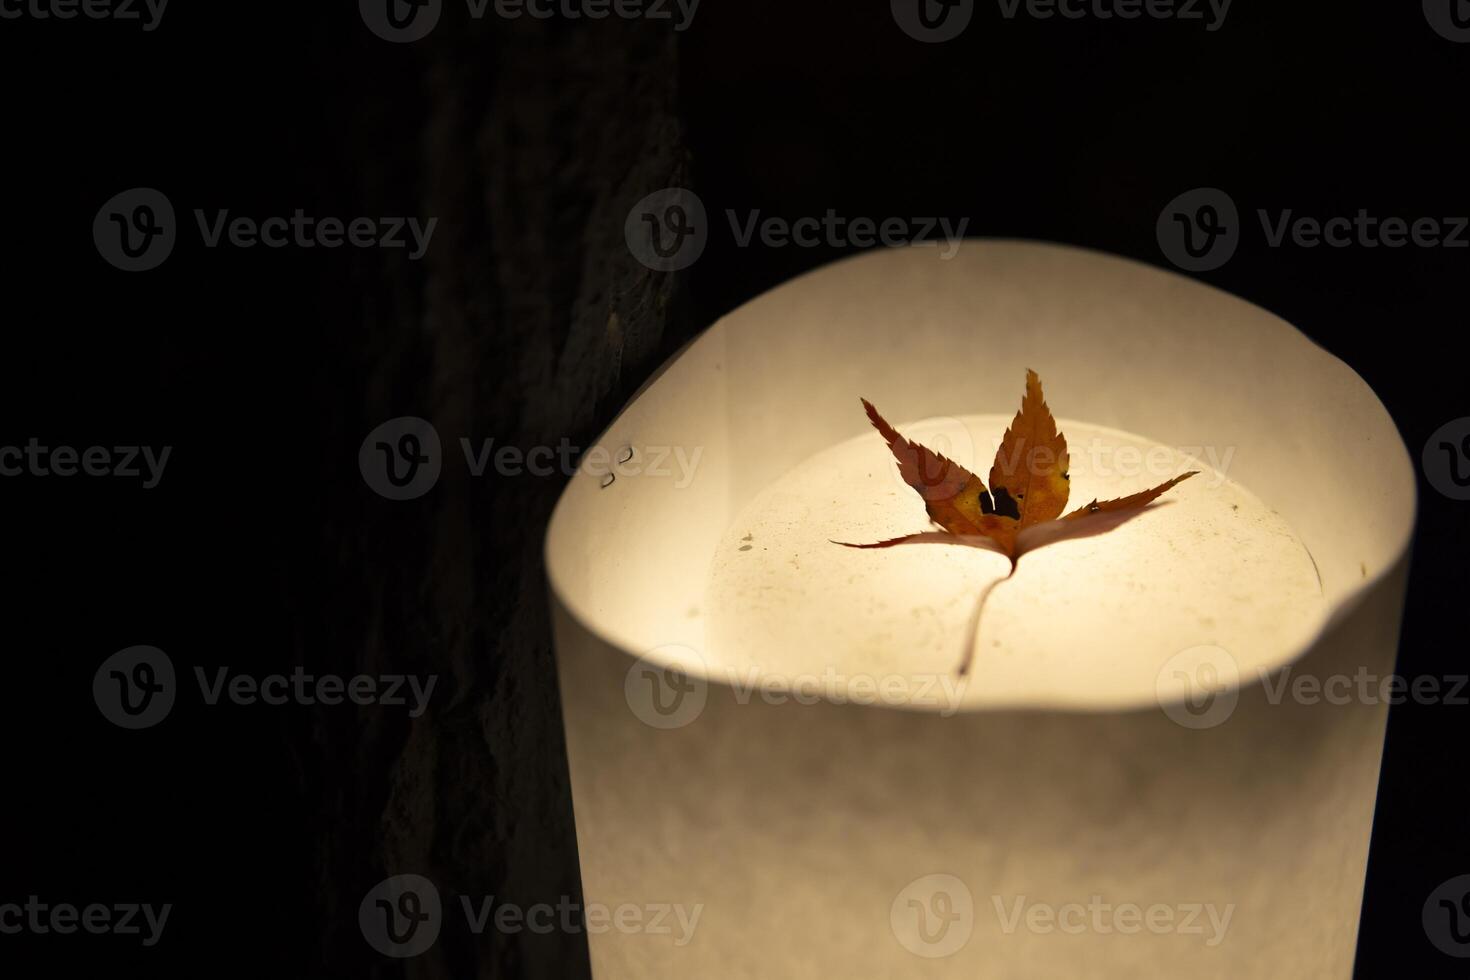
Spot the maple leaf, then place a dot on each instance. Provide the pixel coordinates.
(1029, 485)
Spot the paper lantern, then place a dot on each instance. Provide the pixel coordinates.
(766, 731)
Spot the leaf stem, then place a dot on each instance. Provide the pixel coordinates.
(975, 619)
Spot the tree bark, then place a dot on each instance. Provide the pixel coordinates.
(528, 321)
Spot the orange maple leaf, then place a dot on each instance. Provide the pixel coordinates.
(1029, 483)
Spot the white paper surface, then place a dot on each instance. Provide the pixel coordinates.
(814, 837)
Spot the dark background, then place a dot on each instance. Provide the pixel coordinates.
(263, 549)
